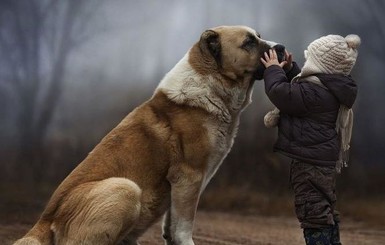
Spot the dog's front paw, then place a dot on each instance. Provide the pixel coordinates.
(179, 241)
(186, 242)
(171, 242)
(167, 239)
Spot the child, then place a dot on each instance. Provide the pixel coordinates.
(314, 119)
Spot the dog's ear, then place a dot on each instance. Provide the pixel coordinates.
(210, 43)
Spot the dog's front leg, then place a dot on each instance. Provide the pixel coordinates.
(166, 228)
(186, 183)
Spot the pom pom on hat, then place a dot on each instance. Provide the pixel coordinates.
(353, 41)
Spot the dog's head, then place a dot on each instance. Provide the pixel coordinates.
(235, 51)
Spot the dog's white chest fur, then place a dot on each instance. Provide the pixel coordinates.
(221, 138)
(184, 85)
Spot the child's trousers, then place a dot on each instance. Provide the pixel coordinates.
(314, 193)
(315, 199)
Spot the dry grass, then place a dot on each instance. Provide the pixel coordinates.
(233, 199)
(369, 210)
(24, 206)
(219, 228)
(226, 216)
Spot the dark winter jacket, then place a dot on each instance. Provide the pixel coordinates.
(308, 113)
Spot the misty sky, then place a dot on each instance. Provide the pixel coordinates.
(134, 43)
(157, 34)
(142, 40)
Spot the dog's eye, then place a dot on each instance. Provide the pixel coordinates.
(249, 43)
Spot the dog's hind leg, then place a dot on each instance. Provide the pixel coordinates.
(101, 212)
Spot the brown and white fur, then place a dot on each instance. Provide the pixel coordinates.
(160, 158)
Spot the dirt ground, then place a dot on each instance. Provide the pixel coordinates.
(230, 229)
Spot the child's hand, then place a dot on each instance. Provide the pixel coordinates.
(271, 59)
(289, 59)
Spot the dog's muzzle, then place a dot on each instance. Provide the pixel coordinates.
(279, 48)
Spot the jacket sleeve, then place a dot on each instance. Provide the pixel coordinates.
(294, 71)
(286, 96)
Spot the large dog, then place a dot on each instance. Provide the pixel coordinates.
(159, 159)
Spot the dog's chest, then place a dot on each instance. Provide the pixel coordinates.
(221, 137)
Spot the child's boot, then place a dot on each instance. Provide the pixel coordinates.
(317, 236)
(335, 240)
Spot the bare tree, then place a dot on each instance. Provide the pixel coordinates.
(36, 39)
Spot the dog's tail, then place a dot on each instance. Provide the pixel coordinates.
(40, 234)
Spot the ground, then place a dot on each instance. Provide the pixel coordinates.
(231, 229)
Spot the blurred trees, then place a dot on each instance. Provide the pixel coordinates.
(58, 98)
(36, 39)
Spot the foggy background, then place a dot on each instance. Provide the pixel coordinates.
(71, 70)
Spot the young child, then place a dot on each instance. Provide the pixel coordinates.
(314, 120)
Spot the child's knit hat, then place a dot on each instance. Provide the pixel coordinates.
(332, 54)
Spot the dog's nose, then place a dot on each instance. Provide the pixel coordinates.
(279, 48)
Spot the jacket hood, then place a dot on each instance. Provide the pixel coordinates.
(344, 88)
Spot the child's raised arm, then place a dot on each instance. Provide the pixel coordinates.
(285, 96)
